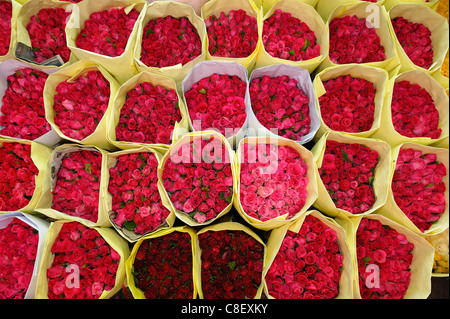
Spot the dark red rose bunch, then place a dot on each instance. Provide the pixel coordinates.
(78, 248)
(289, 38)
(163, 267)
(23, 112)
(79, 105)
(382, 246)
(232, 264)
(273, 181)
(169, 41)
(107, 32)
(18, 249)
(348, 104)
(232, 36)
(308, 264)
(415, 39)
(418, 187)
(17, 176)
(198, 178)
(148, 115)
(77, 186)
(133, 185)
(352, 41)
(348, 171)
(217, 101)
(414, 113)
(5, 26)
(279, 104)
(47, 34)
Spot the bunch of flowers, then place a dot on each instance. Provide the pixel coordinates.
(348, 104)
(278, 103)
(352, 41)
(273, 181)
(148, 115)
(418, 187)
(288, 38)
(347, 172)
(17, 176)
(232, 264)
(198, 178)
(5, 26)
(217, 101)
(169, 41)
(414, 113)
(77, 186)
(136, 202)
(107, 32)
(78, 248)
(47, 34)
(415, 39)
(23, 112)
(391, 252)
(163, 267)
(308, 264)
(18, 248)
(232, 36)
(79, 105)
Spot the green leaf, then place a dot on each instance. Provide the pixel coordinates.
(371, 178)
(292, 52)
(149, 31)
(232, 265)
(306, 45)
(228, 199)
(130, 225)
(88, 168)
(202, 91)
(345, 156)
(36, 75)
(108, 39)
(366, 260)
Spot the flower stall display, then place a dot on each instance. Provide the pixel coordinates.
(9, 9)
(421, 39)
(282, 104)
(22, 240)
(353, 174)
(147, 111)
(229, 263)
(170, 40)
(135, 198)
(393, 262)
(440, 244)
(277, 181)
(419, 188)
(309, 259)
(198, 174)
(350, 99)
(104, 32)
(416, 110)
(234, 29)
(161, 265)
(80, 262)
(326, 7)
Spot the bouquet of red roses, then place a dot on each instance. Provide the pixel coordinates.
(5, 26)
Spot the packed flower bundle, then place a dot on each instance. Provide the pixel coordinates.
(308, 264)
(163, 267)
(418, 187)
(390, 251)
(80, 104)
(80, 250)
(18, 248)
(107, 32)
(22, 110)
(136, 201)
(217, 101)
(279, 104)
(347, 172)
(348, 104)
(5, 26)
(414, 113)
(232, 36)
(17, 176)
(47, 34)
(231, 264)
(288, 38)
(197, 175)
(353, 41)
(169, 41)
(415, 39)
(77, 187)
